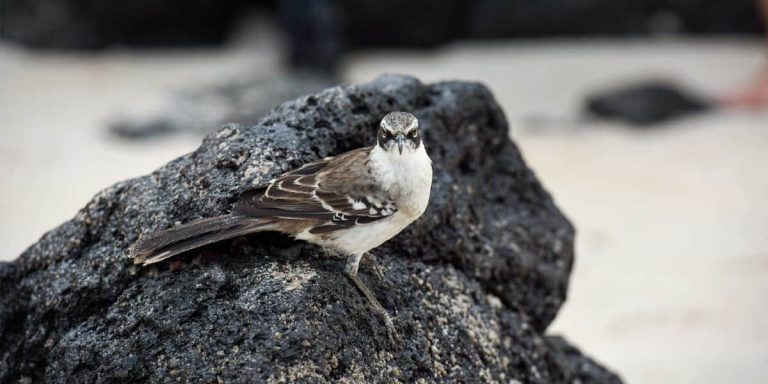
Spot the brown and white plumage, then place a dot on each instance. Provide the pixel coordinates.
(324, 196)
(350, 203)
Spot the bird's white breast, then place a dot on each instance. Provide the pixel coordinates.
(407, 178)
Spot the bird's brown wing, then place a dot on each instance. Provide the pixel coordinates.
(333, 193)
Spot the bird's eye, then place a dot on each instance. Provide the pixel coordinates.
(384, 134)
(414, 134)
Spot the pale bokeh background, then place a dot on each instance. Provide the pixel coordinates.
(672, 247)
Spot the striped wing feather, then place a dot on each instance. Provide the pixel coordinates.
(335, 193)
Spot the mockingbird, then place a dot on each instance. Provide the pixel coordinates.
(350, 203)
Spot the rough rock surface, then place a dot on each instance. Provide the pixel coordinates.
(472, 285)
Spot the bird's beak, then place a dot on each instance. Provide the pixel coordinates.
(400, 140)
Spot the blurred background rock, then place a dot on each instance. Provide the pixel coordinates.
(672, 248)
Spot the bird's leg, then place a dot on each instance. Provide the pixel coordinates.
(353, 262)
(375, 267)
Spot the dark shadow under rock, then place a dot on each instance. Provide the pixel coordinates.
(472, 285)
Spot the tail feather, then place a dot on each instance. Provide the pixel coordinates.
(171, 242)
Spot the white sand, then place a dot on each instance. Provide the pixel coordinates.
(672, 248)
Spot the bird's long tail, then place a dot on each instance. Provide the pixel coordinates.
(171, 242)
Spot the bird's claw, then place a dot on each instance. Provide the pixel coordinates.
(376, 269)
(377, 308)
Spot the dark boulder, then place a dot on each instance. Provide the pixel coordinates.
(471, 286)
(646, 104)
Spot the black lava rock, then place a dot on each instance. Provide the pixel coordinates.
(645, 104)
(471, 286)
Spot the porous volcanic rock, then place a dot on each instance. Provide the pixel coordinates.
(471, 286)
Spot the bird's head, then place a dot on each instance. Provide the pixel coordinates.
(399, 131)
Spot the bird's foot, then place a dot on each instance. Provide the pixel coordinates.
(377, 307)
(370, 259)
